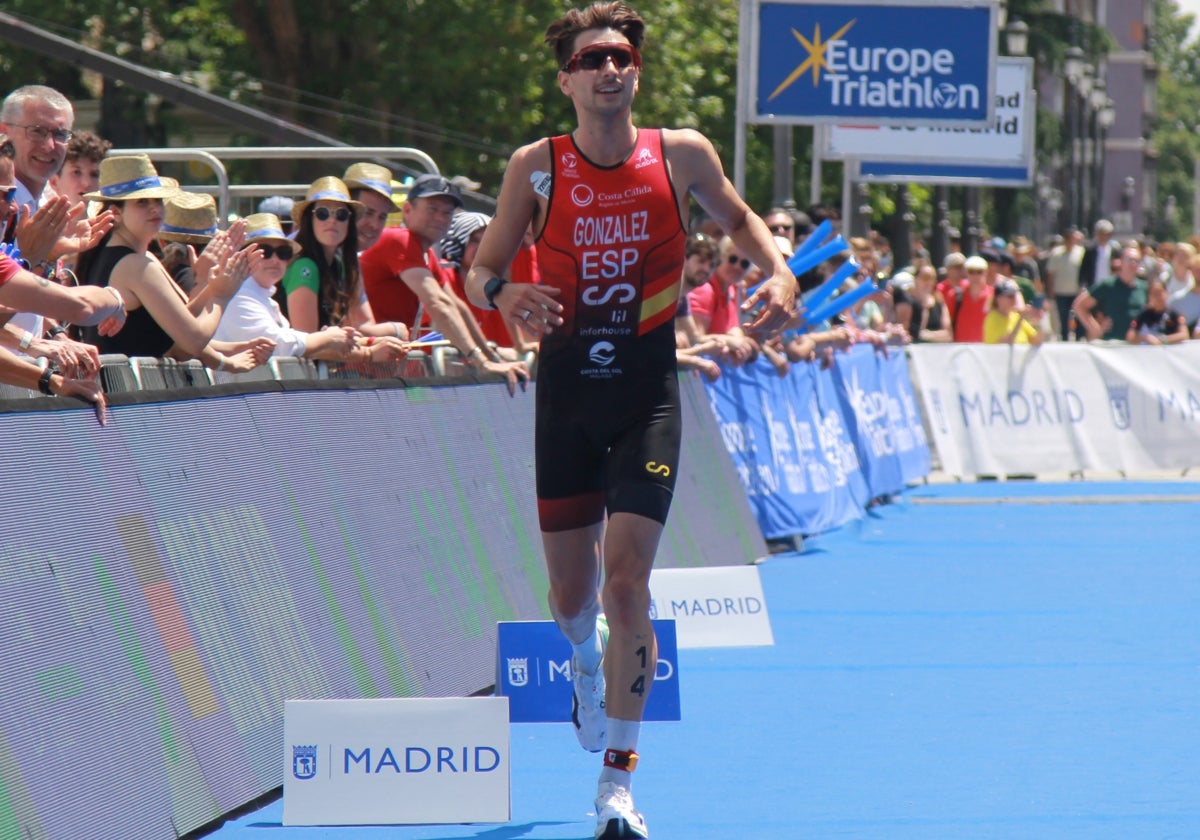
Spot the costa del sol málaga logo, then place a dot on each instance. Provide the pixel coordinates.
(879, 75)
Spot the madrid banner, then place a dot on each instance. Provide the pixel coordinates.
(886, 62)
(1064, 407)
(815, 447)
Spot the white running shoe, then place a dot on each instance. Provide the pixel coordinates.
(587, 708)
(615, 816)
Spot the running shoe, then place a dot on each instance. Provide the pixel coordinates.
(615, 817)
(587, 702)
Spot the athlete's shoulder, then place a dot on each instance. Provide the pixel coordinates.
(535, 155)
(685, 139)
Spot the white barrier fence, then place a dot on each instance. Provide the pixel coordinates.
(995, 409)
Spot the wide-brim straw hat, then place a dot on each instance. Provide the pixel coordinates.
(189, 217)
(327, 188)
(128, 177)
(266, 227)
(369, 176)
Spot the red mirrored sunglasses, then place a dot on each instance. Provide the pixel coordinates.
(594, 57)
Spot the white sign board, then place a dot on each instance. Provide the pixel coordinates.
(716, 606)
(411, 761)
(1061, 407)
(1009, 139)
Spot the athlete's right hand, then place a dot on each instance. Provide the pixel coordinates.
(531, 304)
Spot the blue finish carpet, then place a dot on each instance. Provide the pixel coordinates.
(992, 660)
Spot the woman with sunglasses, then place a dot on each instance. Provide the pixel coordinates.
(253, 311)
(160, 320)
(323, 287)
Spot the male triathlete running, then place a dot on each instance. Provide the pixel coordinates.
(609, 206)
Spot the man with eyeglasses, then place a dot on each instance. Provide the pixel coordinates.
(37, 120)
(1108, 308)
(609, 204)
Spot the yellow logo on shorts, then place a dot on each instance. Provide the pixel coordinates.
(658, 469)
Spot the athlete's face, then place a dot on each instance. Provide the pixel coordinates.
(609, 87)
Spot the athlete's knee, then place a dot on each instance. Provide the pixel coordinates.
(626, 598)
(569, 604)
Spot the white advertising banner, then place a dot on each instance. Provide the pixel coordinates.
(411, 761)
(721, 606)
(1008, 139)
(1061, 407)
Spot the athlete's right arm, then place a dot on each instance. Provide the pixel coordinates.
(516, 209)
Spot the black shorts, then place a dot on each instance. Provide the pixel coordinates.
(605, 446)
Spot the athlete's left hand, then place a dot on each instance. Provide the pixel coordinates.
(777, 296)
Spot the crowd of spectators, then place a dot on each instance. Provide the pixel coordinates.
(102, 255)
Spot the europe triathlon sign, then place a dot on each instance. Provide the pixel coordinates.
(872, 63)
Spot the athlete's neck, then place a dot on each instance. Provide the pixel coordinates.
(606, 144)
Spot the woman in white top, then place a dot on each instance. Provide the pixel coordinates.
(253, 310)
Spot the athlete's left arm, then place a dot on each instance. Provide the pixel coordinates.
(696, 169)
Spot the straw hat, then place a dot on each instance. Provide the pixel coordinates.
(126, 177)
(328, 188)
(369, 176)
(189, 217)
(266, 227)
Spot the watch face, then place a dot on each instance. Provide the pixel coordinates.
(491, 287)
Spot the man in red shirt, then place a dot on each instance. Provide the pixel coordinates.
(970, 306)
(714, 305)
(401, 276)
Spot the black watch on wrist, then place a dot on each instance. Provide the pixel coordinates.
(492, 288)
(44, 381)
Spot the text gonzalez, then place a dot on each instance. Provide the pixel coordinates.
(413, 760)
(916, 86)
(609, 263)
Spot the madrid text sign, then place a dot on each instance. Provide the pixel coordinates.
(911, 62)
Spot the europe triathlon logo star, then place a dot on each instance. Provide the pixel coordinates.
(816, 59)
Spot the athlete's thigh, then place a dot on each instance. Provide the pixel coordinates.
(569, 468)
(644, 459)
(573, 559)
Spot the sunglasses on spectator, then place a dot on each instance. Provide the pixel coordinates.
(322, 214)
(10, 194)
(734, 259)
(780, 228)
(284, 252)
(595, 56)
(39, 133)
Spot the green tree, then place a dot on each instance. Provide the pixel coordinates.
(1176, 132)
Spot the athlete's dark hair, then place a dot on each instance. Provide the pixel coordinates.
(599, 15)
